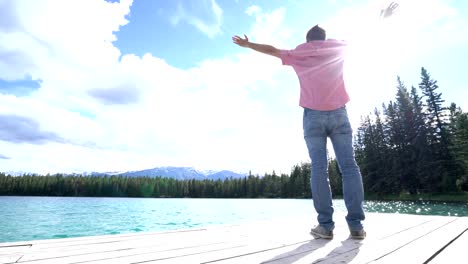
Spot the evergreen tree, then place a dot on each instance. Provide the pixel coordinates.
(394, 134)
(434, 109)
(458, 128)
(443, 176)
(336, 181)
(406, 153)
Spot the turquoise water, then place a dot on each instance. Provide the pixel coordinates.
(32, 218)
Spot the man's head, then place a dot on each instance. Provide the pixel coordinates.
(316, 33)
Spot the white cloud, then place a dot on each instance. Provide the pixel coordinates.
(67, 31)
(140, 112)
(270, 27)
(252, 10)
(239, 112)
(201, 16)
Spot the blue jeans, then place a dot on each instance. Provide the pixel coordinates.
(318, 125)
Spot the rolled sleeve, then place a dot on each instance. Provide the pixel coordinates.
(285, 56)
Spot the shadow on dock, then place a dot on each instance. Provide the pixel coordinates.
(347, 251)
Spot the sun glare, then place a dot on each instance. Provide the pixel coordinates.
(372, 56)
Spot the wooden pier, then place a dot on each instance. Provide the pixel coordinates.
(391, 238)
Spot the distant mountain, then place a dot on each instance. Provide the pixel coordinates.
(179, 173)
(224, 174)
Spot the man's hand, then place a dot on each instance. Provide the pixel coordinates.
(240, 41)
(267, 49)
(389, 11)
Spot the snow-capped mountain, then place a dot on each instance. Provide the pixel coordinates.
(183, 173)
(179, 173)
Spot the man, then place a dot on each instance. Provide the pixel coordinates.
(318, 64)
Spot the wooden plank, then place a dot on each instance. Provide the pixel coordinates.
(66, 252)
(238, 255)
(455, 252)
(6, 250)
(55, 243)
(73, 248)
(11, 254)
(104, 244)
(260, 253)
(10, 258)
(139, 256)
(423, 247)
(373, 250)
(313, 249)
(300, 253)
(93, 239)
(338, 246)
(138, 248)
(174, 242)
(278, 241)
(257, 239)
(233, 233)
(76, 247)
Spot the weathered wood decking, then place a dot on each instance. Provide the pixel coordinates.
(391, 238)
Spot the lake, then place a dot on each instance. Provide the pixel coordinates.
(32, 218)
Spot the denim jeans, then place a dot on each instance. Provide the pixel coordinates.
(318, 125)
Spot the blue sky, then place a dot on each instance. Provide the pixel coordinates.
(169, 29)
(126, 85)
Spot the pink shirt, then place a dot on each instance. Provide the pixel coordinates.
(319, 66)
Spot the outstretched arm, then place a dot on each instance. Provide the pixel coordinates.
(389, 11)
(375, 24)
(263, 48)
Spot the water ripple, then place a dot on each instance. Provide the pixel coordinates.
(30, 218)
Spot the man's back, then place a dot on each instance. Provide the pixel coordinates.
(319, 67)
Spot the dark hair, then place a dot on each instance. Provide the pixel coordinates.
(316, 33)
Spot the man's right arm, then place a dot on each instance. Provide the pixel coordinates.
(263, 48)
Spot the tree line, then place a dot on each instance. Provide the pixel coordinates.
(295, 185)
(415, 145)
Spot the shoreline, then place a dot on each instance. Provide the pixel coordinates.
(429, 197)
